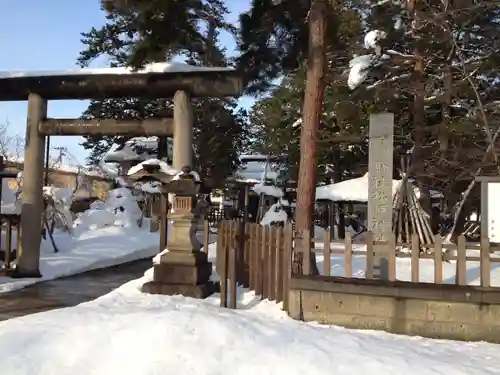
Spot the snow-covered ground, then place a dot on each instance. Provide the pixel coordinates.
(128, 332)
(106, 235)
(100, 248)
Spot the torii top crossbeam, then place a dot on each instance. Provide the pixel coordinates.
(158, 80)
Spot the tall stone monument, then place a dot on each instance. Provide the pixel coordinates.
(380, 171)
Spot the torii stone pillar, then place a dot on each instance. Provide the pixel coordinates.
(183, 131)
(182, 150)
(32, 197)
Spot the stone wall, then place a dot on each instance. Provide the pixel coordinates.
(422, 309)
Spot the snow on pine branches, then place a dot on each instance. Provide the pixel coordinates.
(360, 66)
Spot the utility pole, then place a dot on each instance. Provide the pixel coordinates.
(311, 117)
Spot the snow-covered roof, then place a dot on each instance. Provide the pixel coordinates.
(356, 190)
(134, 149)
(161, 67)
(253, 168)
(272, 191)
(86, 170)
(353, 190)
(164, 167)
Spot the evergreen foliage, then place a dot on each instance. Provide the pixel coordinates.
(139, 32)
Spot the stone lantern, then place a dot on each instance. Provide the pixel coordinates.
(182, 268)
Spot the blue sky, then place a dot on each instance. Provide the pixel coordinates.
(45, 35)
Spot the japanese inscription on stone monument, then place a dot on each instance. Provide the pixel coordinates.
(380, 167)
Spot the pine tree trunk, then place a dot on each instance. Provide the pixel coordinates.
(312, 111)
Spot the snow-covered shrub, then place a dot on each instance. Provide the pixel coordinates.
(120, 209)
(60, 207)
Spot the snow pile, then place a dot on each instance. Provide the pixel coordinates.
(354, 190)
(257, 338)
(120, 209)
(275, 214)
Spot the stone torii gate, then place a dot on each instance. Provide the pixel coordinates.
(38, 88)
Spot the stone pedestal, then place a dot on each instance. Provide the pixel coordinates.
(184, 269)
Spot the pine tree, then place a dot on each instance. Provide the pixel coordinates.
(342, 138)
(440, 61)
(138, 32)
(342, 141)
(273, 38)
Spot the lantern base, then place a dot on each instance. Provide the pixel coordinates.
(194, 291)
(181, 273)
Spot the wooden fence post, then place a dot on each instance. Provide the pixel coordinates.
(438, 260)
(251, 257)
(326, 253)
(415, 258)
(348, 254)
(233, 283)
(260, 265)
(461, 278)
(271, 264)
(256, 251)
(392, 257)
(369, 255)
(305, 248)
(485, 264)
(279, 275)
(246, 256)
(287, 266)
(219, 252)
(223, 251)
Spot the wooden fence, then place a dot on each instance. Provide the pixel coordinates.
(259, 257)
(416, 251)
